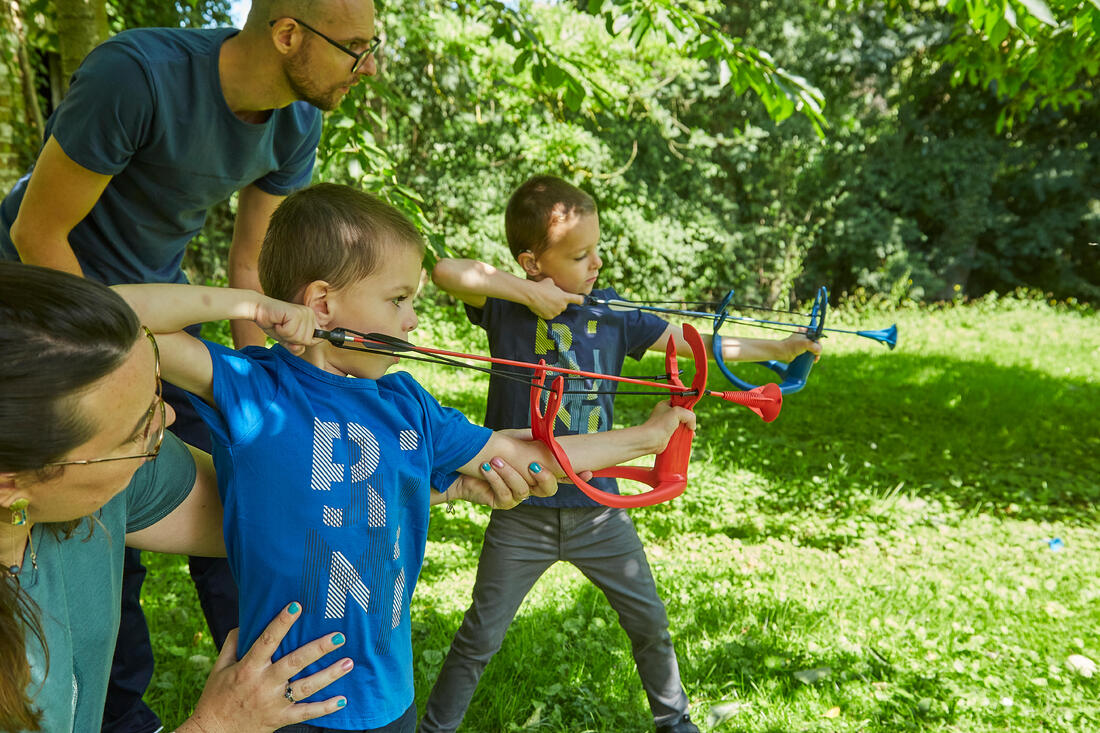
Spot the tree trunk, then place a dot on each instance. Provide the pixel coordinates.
(22, 123)
(81, 26)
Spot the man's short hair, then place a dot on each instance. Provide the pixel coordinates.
(333, 233)
(536, 206)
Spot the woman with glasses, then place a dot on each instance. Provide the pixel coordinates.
(81, 422)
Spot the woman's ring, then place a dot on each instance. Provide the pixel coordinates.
(289, 693)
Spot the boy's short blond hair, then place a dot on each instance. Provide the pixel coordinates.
(536, 206)
(333, 233)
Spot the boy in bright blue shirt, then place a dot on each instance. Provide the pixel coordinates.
(553, 231)
(325, 477)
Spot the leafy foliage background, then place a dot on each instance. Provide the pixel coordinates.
(912, 161)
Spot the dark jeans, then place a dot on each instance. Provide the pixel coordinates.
(405, 724)
(132, 667)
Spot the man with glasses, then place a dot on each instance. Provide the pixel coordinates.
(158, 126)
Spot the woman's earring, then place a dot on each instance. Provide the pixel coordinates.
(19, 512)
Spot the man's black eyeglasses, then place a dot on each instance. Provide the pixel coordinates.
(360, 57)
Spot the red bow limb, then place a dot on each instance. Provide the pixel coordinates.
(668, 476)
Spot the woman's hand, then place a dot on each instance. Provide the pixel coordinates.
(254, 694)
(501, 486)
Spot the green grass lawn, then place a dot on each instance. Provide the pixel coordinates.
(877, 559)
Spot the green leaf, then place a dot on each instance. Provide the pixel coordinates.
(521, 61)
(554, 75)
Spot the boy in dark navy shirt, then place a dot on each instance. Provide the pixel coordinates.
(553, 231)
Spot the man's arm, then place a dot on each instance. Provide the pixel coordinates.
(472, 282)
(59, 194)
(742, 349)
(254, 209)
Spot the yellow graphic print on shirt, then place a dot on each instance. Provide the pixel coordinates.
(580, 410)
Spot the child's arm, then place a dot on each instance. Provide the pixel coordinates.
(166, 309)
(743, 349)
(472, 282)
(587, 452)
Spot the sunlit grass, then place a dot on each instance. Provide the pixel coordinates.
(878, 559)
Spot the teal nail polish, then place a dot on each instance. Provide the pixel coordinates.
(293, 608)
(341, 702)
(535, 468)
(486, 467)
(338, 639)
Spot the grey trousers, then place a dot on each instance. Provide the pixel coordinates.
(520, 545)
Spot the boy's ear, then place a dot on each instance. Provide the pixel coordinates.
(529, 264)
(318, 296)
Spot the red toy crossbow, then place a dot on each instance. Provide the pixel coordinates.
(668, 476)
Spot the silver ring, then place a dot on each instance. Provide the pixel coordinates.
(289, 693)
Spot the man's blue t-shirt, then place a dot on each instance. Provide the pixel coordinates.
(324, 480)
(591, 338)
(147, 108)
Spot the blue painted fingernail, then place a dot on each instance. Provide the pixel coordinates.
(341, 702)
(338, 639)
(486, 467)
(535, 468)
(293, 608)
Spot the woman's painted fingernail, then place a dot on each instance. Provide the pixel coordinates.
(498, 462)
(347, 665)
(341, 702)
(535, 468)
(293, 608)
(338, 639)
(486, 467)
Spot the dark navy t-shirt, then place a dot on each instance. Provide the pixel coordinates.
(146, 107)
(591, 338)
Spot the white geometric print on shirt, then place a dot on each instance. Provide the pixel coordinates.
(325, 472)
(332, 517)
(408, 439)
(364, 468)
(344, 581)
(398, 599)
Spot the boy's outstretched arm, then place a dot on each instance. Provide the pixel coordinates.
(588, 452)
(743, 349)
(472, 282)
(184, 361)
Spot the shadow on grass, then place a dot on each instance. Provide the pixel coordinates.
(980, 436)
(568, 667)
(564, 666)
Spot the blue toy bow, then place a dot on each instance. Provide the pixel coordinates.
(792, 375)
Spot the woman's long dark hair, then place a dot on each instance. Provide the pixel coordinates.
(58, 334)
